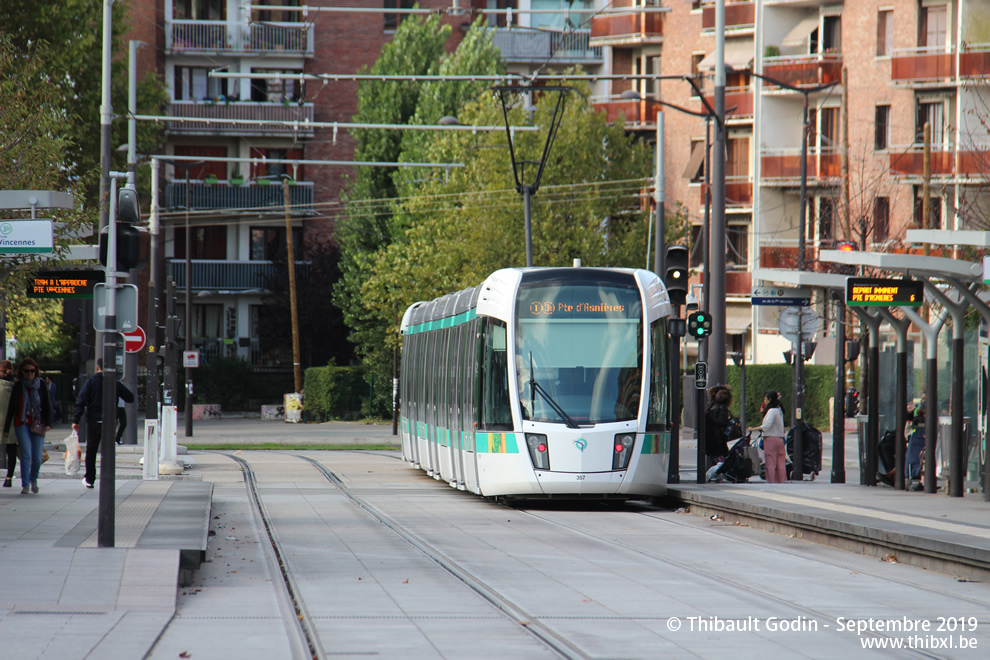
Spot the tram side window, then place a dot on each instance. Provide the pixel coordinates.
(496, 414)
(658, 414)
(471, 370)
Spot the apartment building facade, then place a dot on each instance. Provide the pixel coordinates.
(906, 62)
(874, 72)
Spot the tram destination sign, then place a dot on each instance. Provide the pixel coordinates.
(64, 283)
(871, 292)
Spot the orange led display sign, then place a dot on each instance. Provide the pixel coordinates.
(64, 284)
(870, 292)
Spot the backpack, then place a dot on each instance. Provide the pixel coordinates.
(732, 430)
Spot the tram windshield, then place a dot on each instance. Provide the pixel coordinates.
(579, 338)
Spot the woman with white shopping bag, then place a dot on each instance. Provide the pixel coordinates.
(30, 415)
(73, 454)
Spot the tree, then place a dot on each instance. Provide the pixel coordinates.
(73, 71)
(466, 225)
(370, 223)
(33, 156)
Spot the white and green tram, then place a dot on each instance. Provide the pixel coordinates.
(541, 382)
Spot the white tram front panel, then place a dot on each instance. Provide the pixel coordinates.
(579, 365)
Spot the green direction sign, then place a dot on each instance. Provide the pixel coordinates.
(64, 283)
(872, 292)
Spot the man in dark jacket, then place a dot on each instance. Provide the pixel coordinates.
(90, 403)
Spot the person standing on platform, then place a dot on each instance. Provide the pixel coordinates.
(7, 440)
(90, 403)
(773, 438)
(916, 446)
(30, 414)
(718, 418)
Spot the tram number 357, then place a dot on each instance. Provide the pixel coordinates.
(580, 477)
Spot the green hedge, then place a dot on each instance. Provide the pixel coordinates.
(333, 392)
(819, 381)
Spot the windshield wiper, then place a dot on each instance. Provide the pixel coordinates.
(535, 387)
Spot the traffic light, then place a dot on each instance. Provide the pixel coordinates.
(852, 349)
(131, 244)
(699, 325)
(676, 275)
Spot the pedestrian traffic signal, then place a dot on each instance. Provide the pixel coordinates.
(676, 274)
(131, 244)
(699, 325)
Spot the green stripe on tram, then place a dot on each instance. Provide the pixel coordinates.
(448, 322)
(655, 443)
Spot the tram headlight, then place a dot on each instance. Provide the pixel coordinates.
(622, 451)
(538, 451)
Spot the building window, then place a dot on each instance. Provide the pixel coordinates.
(832, 43)
(934, 212)
(194, 84)
(737, 246)
(881, 128)
(392, 20)
(826, 222)
(885, 32)
(204, 242)
(695, 170)
(931, 111)
(881, 219)
(199, 10)
(268, 243)
(932, 27)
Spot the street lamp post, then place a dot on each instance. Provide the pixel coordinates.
(527, 190)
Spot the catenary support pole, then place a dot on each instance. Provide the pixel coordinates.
(930, 332)
(900, 326)
(717, 340)
(957, 448)
(838, 393)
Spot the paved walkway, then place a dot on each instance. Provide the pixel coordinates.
(64, 597)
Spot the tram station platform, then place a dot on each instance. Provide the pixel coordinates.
(62, 596)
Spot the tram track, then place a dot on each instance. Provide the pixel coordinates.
(512, 611)
(719, 582)
(305, 636)
(304, 639)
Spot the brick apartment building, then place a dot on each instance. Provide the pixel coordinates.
(906, 62)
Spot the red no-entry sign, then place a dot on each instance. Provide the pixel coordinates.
(134, 341)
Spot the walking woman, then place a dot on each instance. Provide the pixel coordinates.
(773, 438)
(7, 440)
(30, 414)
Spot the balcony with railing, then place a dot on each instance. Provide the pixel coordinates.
(638, 113)
(802, 70)
(916, 66)
(522, 45)
(231, 117)
(738, 283)
(738, 192)
(738, 103)
(626, 29)
(259, 195)
(738, 16)
(974, 62)
(943, 163)
(193, 37)
(782, 167)
(225, 277)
